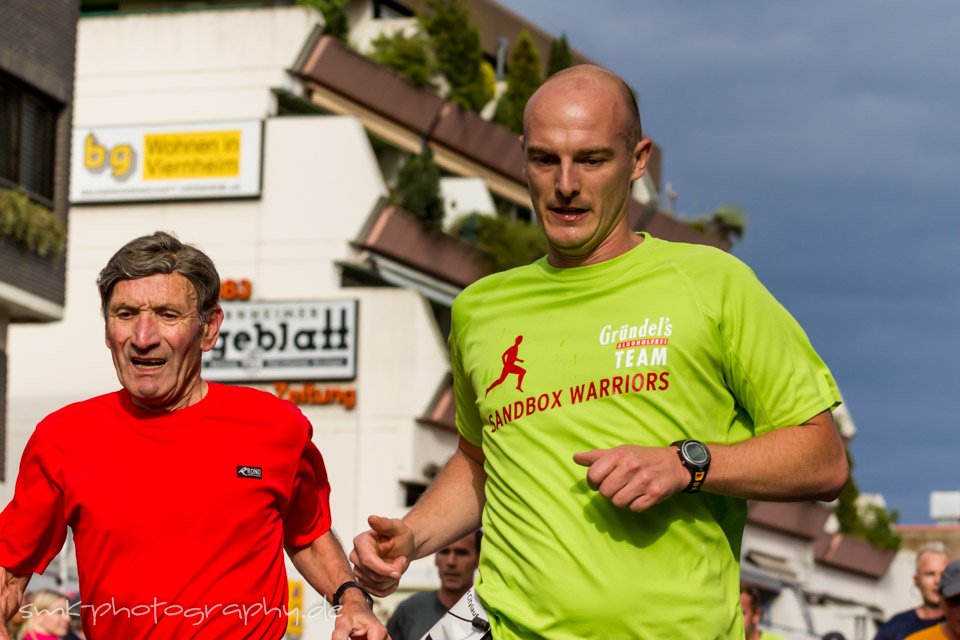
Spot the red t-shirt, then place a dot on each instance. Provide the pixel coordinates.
(179, 519)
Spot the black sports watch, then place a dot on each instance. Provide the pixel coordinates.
(350, 584)
(695, 456)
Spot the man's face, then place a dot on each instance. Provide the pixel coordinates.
(156, 338)
(927, 578)
(579, 166)
(457, 563)
(751, 616)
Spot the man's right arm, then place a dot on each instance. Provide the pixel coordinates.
(450, 509)
(12, 588)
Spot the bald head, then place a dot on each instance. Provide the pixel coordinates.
(591, 78)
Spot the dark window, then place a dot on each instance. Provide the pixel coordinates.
(412, 492)
(386, 10)
(28, 128)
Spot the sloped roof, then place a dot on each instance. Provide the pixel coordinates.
(393, 233)
(853, 555)
(461, 139)
(806, 520)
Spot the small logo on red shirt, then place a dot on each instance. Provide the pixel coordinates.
(510, 358)
(244, 471)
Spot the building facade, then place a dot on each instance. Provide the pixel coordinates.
(37, 45)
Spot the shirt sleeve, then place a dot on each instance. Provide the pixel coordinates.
(769, 363)
(469, 423)
(33, 526)
(308, 512)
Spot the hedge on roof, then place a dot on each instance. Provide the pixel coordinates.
(31, 225)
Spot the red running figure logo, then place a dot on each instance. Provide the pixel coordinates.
(510, 359)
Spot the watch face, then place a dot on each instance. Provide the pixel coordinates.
(696, 453)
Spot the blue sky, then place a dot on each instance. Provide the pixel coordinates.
(836, 126)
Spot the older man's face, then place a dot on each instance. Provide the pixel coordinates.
(927, 578)
(156, 337)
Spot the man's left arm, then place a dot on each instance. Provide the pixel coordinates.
(802, 462)
(324, 565)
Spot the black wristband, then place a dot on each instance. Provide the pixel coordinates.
(350, 584)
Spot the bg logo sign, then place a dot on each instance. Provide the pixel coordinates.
(123, 159)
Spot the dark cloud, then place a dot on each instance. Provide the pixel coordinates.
(834, 125)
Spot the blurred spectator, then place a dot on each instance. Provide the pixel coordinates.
(75, 632)
(456, 564)
(949, 590)
(46, 618)
(931, 559)
(752, 609)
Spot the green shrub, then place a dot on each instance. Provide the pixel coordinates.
(523, 78)
(456, 46)
(32, 226)
(509, 243)
(336, 21)
(560, 56)
(418, 190)
(410, 56)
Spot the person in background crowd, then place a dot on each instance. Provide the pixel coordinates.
(76, 627)
(931, 560)
(46, 617)
(949, 628)
(456, 564)
(752, 606)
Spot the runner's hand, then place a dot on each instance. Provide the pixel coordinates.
(634, 477)
(382, 554)
(356, 620)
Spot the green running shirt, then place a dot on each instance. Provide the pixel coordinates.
(665, 342)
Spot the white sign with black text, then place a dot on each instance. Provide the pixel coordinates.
(314, 340)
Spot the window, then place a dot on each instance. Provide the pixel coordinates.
(412, 492)
(28, 128)
(388, 10)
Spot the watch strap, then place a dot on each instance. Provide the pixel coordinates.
(350, 584)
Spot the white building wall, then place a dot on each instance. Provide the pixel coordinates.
(366, 29)
(797, 552)
(891, 593)
(193, 66)
(462, 196)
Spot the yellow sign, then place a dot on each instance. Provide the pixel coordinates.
(163, 162)
(295, 609)
(122, 157)
(197, 154)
